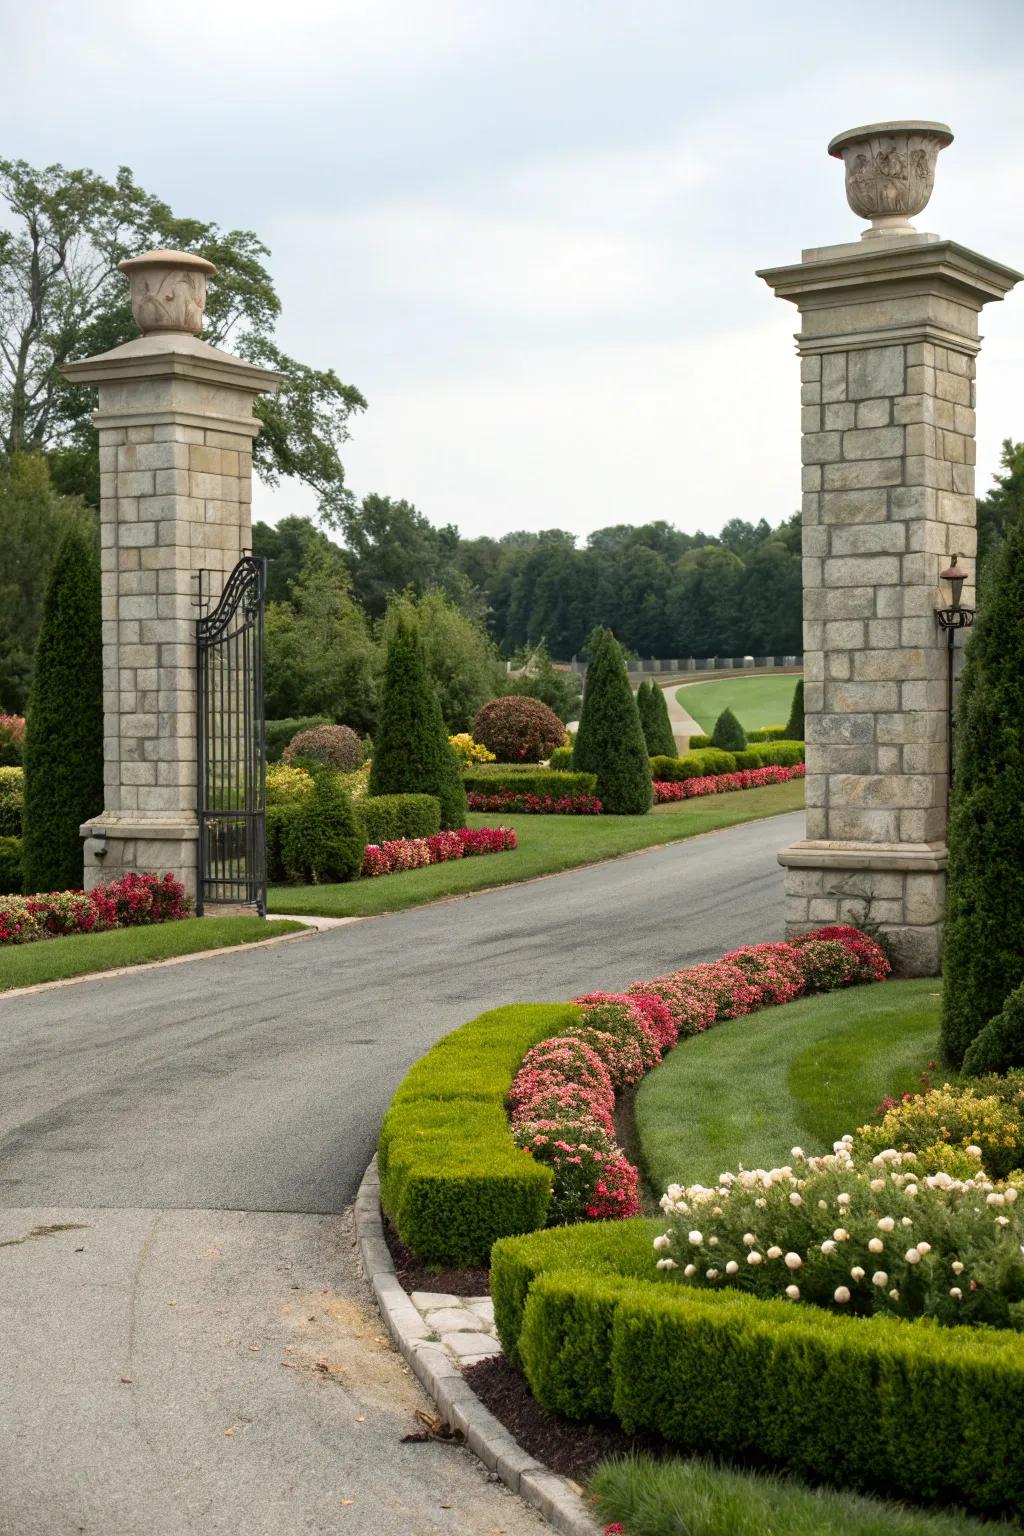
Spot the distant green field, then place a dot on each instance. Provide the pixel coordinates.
(755, 701)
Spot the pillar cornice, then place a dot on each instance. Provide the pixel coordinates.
(896, 269)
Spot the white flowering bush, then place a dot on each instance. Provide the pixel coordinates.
(856, 1234)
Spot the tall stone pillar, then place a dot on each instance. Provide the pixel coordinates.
(888, 340)
(176, 429)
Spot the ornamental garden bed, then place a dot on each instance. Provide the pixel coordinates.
(657, 1327)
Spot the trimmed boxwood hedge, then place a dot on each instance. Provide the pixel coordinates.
(560, 761)
(710, 761)
(847, 1399)
(527, 781)
(387, 817)
(452, 1179)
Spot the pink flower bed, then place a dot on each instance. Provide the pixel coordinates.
(563, 1096)
(534, 805)
(130, 902)
(417, 852)
(724, 783)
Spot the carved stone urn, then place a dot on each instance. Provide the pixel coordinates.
(890, 171)
(168, 290)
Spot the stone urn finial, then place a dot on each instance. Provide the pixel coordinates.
(890, 171)
(168, 290)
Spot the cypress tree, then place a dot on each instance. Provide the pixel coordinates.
(728, 734)
(610, 741)
(64, 719)
(795, 723)
(657, 729)
(411, 755)
(983, 962)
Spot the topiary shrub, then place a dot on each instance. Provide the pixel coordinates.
(386, 818)
(983, 958)
(794, 730)
(518, 729)
(335, 746)
(278, 816)
(322, 838)
(652, 708)
(1000, 1045)
(12, 801)
(610, 741)
(278, 733)
(560, 760)
(10, 866)
(411, 752)
(64, 723)
(728, 734)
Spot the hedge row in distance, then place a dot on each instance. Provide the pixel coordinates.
(850, 1400)
(452, 1179)
(537, 781)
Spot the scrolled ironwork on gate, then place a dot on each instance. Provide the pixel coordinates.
(231, 744)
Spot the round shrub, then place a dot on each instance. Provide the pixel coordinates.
(827, 964)
(728, 734)
(12, 801)
(335, 746)
(1001, 1043)
(518, 729)
(322, 838)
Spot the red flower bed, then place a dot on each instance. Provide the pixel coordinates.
(724, 783)
(562, 1098)
(126, 903)
(417, 852)
(534, 805)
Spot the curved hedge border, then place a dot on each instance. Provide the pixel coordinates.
(452, 1179)
(850, 1400)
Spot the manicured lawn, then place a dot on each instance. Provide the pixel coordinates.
(803, 1074)
(547, 844)
(26, 965)
(695, 1498)
(756, 702)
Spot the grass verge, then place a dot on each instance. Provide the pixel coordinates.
(747, 1091)
(756, 702)
(81, 954)
(547, 845)
(696, 1498)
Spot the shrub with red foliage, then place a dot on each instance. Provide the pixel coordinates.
(773, 969)
(125, 903)
(335, 746)
(872, 961)
(827, 965)
(518, 729)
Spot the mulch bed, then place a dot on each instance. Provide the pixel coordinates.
(415, 1275)
(562, 1444)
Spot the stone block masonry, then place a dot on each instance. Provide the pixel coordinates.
(176, 430)
(888, 342)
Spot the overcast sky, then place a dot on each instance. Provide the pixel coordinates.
(527, 229)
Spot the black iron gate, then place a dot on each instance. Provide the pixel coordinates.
(231, 746)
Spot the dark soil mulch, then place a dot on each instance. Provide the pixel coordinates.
(563, 1445)
(416, 1275)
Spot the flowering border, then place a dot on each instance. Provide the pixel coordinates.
(404, 853)
(724, 783)
(563, 1095)
(131, 902)
(529, 804)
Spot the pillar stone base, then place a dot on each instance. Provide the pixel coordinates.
(898, 888)
(118, 845)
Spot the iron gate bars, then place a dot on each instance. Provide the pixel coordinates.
(231, 745)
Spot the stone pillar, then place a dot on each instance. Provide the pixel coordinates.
(888, 340)
(176, 429)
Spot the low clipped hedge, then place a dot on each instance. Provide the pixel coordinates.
(711, 761)
(10, 866)
(386, 818)
(560, 760)
(452, 1179)
(847, 1399)
(492, 778)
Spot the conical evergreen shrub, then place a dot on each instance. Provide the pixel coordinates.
(64, 719)
(322, 837)
(411, 755)
(610, 741)
(728, 734)
(657, 728)
(983, 961)
(795, 723)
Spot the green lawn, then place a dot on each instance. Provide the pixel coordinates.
(675, 1497)
(804, 1074)
(756, 702)
(547, 844)
(80, 954)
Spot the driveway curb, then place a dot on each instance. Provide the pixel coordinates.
(553, 1496)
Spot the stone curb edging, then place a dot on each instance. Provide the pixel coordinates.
(553, 1496)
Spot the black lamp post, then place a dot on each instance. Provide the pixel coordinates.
(955, 617)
